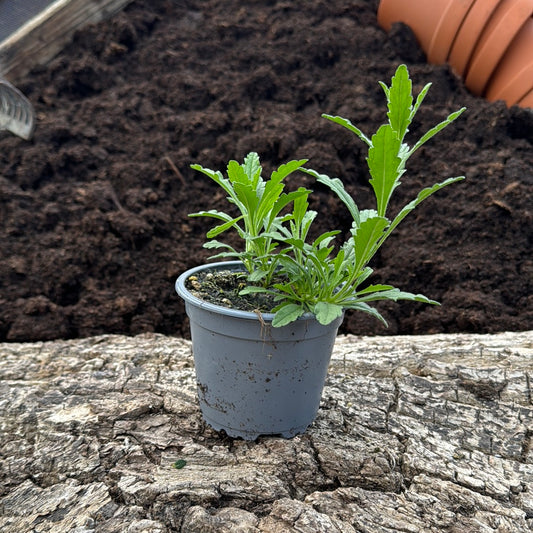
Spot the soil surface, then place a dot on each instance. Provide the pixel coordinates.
(93, 210)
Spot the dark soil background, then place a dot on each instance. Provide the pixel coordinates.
(93, 210)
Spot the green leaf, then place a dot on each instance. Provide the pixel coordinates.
(365, 308)
(252, 168)
(226, 255)
(236, 173)
(395, 295)
(213, 213)
(419, 100)
(366, 236)
(374, 288)
(422, 195)
(217, 244)
(248, 197)
(286, 314)
(349, 126)
(286, 199)
(433, 131)
(217, 230)
(326, 238)
(400, 102)
(327, 312)
(216, 177)
(336, 185)
(257, 275)
(287, 168)
(254, 289)
(384, 165)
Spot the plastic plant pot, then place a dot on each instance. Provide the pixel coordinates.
(503, 25)
(513, 78)
(444, 35)
(422, 16)
(254, 379)
(468, 34)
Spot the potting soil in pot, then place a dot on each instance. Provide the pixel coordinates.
(93, 210)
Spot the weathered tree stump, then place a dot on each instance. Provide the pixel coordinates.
(425, 433)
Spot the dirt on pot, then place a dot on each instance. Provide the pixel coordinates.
(93, 210)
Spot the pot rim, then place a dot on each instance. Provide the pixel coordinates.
(186, 295)
(502, 27)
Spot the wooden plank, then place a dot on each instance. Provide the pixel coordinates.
(42, 37)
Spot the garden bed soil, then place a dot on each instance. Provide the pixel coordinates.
(93, 210)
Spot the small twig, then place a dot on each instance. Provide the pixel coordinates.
(114, 198)
(175, 170)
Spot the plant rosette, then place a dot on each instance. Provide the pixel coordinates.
(262, 337)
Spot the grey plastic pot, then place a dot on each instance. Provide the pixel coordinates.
(254, 379)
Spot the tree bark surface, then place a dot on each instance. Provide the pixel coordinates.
(414, 433)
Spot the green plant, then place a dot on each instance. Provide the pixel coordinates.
(316, 276)
(260, 204)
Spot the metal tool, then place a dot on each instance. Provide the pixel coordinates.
(16, 112)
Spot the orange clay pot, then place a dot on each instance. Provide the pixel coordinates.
(487, 42)
(422, 16)
(513, 77)
(447, 27)
(527, 101)
(505, 22)
(468, 34)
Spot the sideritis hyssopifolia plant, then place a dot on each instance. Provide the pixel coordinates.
(323, 277)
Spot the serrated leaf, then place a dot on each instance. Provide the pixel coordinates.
(366, 236)
(400, 101)
(287, 168)
(248, 197)
(252, 168)
(214, 244)
(384, 165)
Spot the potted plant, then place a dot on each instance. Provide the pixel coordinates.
(263, 325)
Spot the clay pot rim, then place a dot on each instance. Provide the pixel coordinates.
(518, 79)
(496, 37)
(446, 30)
(391, 11)
(528, 97)
(468, 34)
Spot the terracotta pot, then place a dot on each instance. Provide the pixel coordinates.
(513, 77)
(505, 22)
(468, 34)
(422, 16)
(446, 30)
(527, 101)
